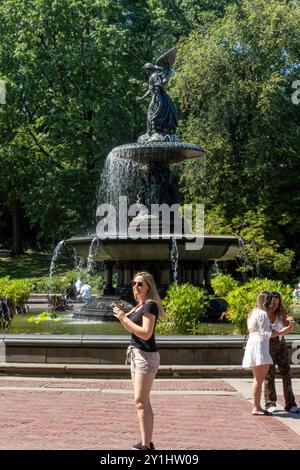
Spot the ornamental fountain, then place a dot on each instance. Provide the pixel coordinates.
(136, 179)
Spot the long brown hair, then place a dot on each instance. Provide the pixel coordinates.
(280, 311)
(152, 293)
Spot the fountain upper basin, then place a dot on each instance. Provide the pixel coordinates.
(162, 152)
(215, 247)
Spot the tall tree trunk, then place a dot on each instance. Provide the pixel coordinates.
(16, 217)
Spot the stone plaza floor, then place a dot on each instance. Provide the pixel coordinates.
(84, 414)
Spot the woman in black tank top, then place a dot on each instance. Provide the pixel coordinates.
(143, 352)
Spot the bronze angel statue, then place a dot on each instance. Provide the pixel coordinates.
(161, 115)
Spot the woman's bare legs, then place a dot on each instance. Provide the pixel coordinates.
(259, 375)
(142, 384)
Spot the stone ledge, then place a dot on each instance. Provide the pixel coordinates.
(115, 340)
(110, 350)
(123, 372)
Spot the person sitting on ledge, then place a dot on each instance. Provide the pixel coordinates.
(86, 292)
(71, 291)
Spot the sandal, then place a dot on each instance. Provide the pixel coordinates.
(262, 413)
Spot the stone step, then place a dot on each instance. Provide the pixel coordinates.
(37, 301)
(107, 371)
(38, 296)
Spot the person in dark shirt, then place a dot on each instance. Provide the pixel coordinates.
(71, 290)
(142, 352)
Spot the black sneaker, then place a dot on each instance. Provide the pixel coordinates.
(140, 446)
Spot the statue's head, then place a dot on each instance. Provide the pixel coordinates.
(149, 66)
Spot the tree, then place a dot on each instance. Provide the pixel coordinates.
(234, 86)
(67, 66)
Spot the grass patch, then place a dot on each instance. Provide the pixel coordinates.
(31, 265)
(296, 310)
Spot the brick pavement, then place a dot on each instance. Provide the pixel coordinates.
(38, 413)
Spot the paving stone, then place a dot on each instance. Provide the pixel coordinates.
(82, 414)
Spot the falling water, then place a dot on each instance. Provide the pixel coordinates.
(92, 251)
(256, 260)
(52, 270)
(243, 257)
(120, 177)
(54, 258)
(174, 260)
(215, 268)
(80, 264)
(138, 181)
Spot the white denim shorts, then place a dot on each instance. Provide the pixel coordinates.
(142, 362)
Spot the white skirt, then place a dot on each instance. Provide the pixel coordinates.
(257, 351)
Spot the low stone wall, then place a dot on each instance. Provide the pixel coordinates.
(110, 350)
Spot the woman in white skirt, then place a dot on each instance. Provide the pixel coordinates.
(257, 355)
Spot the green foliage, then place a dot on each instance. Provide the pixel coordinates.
(257, 225)
(242, 299)
(72, 70)
(223, 284)
(58, 283)
(234, 86)
(16, 290)
(185, 306)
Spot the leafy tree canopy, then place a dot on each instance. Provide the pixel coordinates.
(234, 86)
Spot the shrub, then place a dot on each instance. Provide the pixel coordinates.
(223, 284)
(16, 290)
(58, 283)
(242, 299)
(185, 306)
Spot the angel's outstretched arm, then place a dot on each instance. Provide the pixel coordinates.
(139, 98)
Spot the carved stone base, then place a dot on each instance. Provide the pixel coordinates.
(100, 308)
(158, 137)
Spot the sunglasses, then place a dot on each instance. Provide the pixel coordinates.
(137, 284)
(275, 294)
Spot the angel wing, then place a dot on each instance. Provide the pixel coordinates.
(166, 61)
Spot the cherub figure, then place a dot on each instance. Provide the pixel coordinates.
(161, 115)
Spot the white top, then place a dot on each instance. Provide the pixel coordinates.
(277, 326)
(86, 292)
(259, 322)
(296, 292)
(78, 285)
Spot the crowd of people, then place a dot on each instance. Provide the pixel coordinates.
(267, 324)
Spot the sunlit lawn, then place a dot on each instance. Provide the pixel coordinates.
(30, 265)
